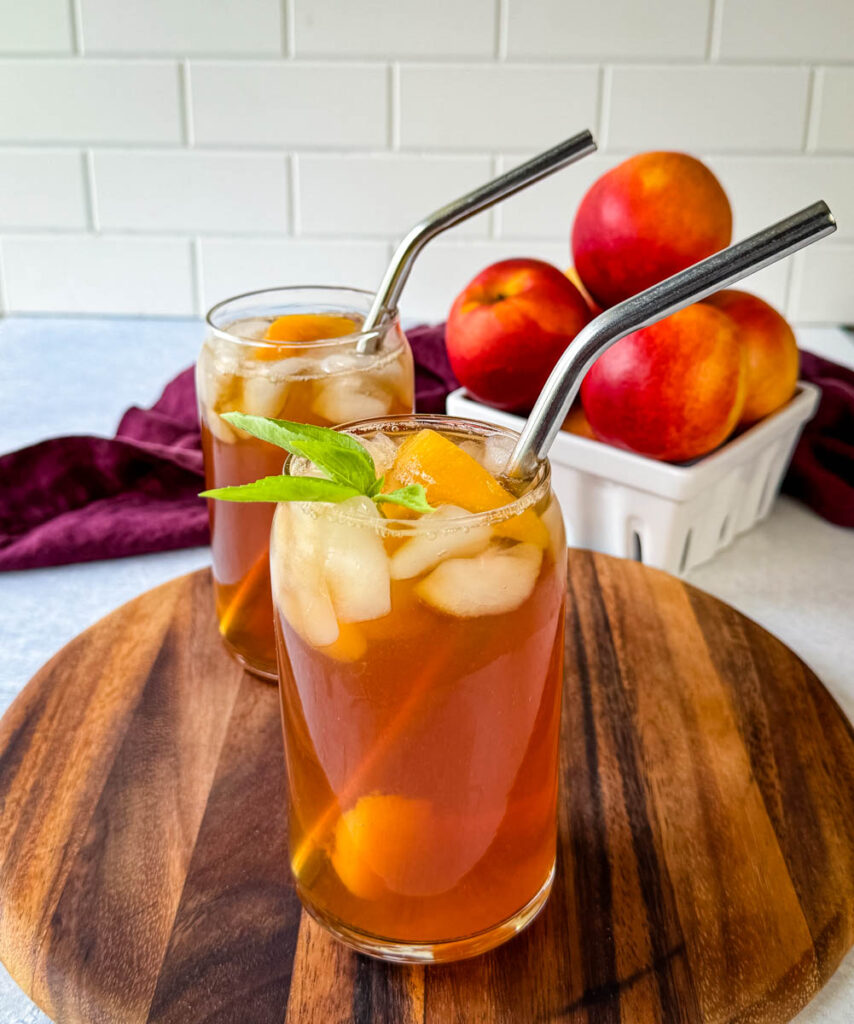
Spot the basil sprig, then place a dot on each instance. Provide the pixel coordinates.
(348, 466)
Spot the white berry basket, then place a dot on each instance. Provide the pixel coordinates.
(669, 516)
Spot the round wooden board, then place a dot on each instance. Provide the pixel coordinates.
(705, 871)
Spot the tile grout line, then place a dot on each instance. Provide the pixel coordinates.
(795, 283)
(495, 224)
(816, 95)
(290, 171)
(530, 62)
(787, 283)
(257, 149)
(288, 28)
(502, 23)
(603, 106)
(805, 128)
(188, 127)
(715, 32)
(77, 26)
(91, 196)
(393, 109)
(294, 193)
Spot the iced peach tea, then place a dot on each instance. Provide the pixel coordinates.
(290, 354)
(420, 672)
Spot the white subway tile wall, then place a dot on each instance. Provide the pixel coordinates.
(136, 276)
(45, 189)
(231, 266)
(193, 190)
(159, 155)
(608, 29)
(182, 26)
(724, 109)
(501, 106)
(820, 30)
(834, 119)
(40, 26)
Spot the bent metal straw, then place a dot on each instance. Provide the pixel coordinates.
(539, 167)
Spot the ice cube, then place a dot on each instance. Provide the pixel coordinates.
(472, 448)
(349, 397)
(213, 386)
(496, 452)
(341, 362)
(221, 430)
(304, 467)
(494, 582)
(396, 377)
(292, 368)
(251, 329)
(356, 570)
(429, 547)
(225, 355)
(262, 396)
(383, 451)
(297, 574)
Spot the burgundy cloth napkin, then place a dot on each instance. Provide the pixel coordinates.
(78, 499)
(821, 473)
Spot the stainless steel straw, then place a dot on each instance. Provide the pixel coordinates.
(562, 155)
(722, 269)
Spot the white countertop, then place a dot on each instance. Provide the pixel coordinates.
(794, 573)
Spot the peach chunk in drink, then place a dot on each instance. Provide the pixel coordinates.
(298, 366)
(420, 663)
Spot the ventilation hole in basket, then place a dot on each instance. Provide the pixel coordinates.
(723, 536)
(686, 550)
(637, 549)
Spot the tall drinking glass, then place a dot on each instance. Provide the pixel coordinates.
(288, 353)
(420, 670)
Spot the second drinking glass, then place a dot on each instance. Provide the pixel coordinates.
(289, 353)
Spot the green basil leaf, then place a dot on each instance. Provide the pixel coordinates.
(340, 455)
(413, 497)
(284, 488)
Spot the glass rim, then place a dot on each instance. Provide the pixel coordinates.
(539, 487)
(388, 318)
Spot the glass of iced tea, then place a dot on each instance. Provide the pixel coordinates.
(420, 661)
(288, 353)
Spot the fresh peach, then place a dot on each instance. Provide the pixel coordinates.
(647, 218)
(508, 328)
(672, 391)
(772, 352)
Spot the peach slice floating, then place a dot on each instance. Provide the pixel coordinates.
(298, 328)
(450, 476)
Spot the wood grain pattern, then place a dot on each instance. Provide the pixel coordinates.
(706, 861)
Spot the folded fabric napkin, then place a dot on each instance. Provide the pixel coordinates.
(78, 499)
(821, 473)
